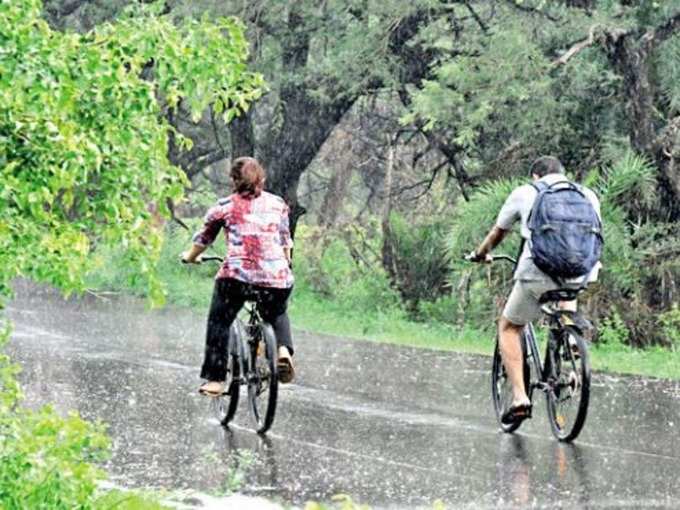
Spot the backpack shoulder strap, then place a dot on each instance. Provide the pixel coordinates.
(539, 186)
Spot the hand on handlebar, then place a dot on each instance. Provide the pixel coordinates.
(473, 256)
(185, 259)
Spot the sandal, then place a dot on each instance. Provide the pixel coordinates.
(285, 366)
(212, 389)
(516, 414)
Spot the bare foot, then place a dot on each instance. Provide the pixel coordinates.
(212, 389)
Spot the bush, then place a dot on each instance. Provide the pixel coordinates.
(670, 326)
(351, 277)
(613, 331)
(420, 259)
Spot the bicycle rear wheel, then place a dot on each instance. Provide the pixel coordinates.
(263, 379)
(570, 380)
(224, 407)
(501, 389)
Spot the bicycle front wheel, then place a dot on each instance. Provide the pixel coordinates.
(570, 386)
(501, 388)
(263, 380)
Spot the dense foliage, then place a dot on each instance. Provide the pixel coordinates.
(83, 145)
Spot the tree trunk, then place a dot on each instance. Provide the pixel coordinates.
(337, 187)
(307, 122)
(631, 55)
(242, 136)
(306, 127)
(388, 259)
(632, 61)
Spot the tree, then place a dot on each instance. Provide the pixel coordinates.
(654, 123)
(83, 144)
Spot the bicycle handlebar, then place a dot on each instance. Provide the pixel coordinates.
(504, 257)
(494, 258)
(205, 259)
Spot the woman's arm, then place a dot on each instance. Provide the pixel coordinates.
(192, 255)
(213, 223)
(284, 234)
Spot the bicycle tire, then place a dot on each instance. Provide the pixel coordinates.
(569, 385)
(263, 379)
(224, 407)
(501, 389)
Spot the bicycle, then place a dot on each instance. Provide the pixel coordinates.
(564, 377)
(252, 362)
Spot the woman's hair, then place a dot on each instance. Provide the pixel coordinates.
(546, 165)
(248, 176)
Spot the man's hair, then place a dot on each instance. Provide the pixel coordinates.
(546, 165)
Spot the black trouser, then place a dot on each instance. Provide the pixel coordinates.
(227, 300)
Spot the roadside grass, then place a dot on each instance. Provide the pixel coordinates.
(314, 314)
(191, 286)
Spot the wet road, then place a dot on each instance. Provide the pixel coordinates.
(394, 427)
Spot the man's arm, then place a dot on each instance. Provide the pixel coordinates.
(508, 215)
(492, 239)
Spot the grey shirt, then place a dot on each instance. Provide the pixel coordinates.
(518, 207)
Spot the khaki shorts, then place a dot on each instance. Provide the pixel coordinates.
(522, 306)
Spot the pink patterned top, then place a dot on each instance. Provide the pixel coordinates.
(256, 231)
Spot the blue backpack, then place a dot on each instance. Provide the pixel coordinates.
(566, 233)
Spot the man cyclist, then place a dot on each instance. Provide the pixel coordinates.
(523, 304)
(257, 266)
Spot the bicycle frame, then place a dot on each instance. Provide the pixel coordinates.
(540, 365)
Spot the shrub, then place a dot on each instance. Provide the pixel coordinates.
(670, 326)
(420, 258)
(342, 270)
(613, 331)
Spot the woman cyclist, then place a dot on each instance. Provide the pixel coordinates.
(257, 266)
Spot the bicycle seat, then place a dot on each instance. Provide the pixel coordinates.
(560, 295)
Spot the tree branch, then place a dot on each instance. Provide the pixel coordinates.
(476, 17)
(655, 37)
(663, 32)
(577, 47)
(425, 182)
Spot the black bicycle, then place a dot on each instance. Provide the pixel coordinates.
(563, 376)
(252, 362)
